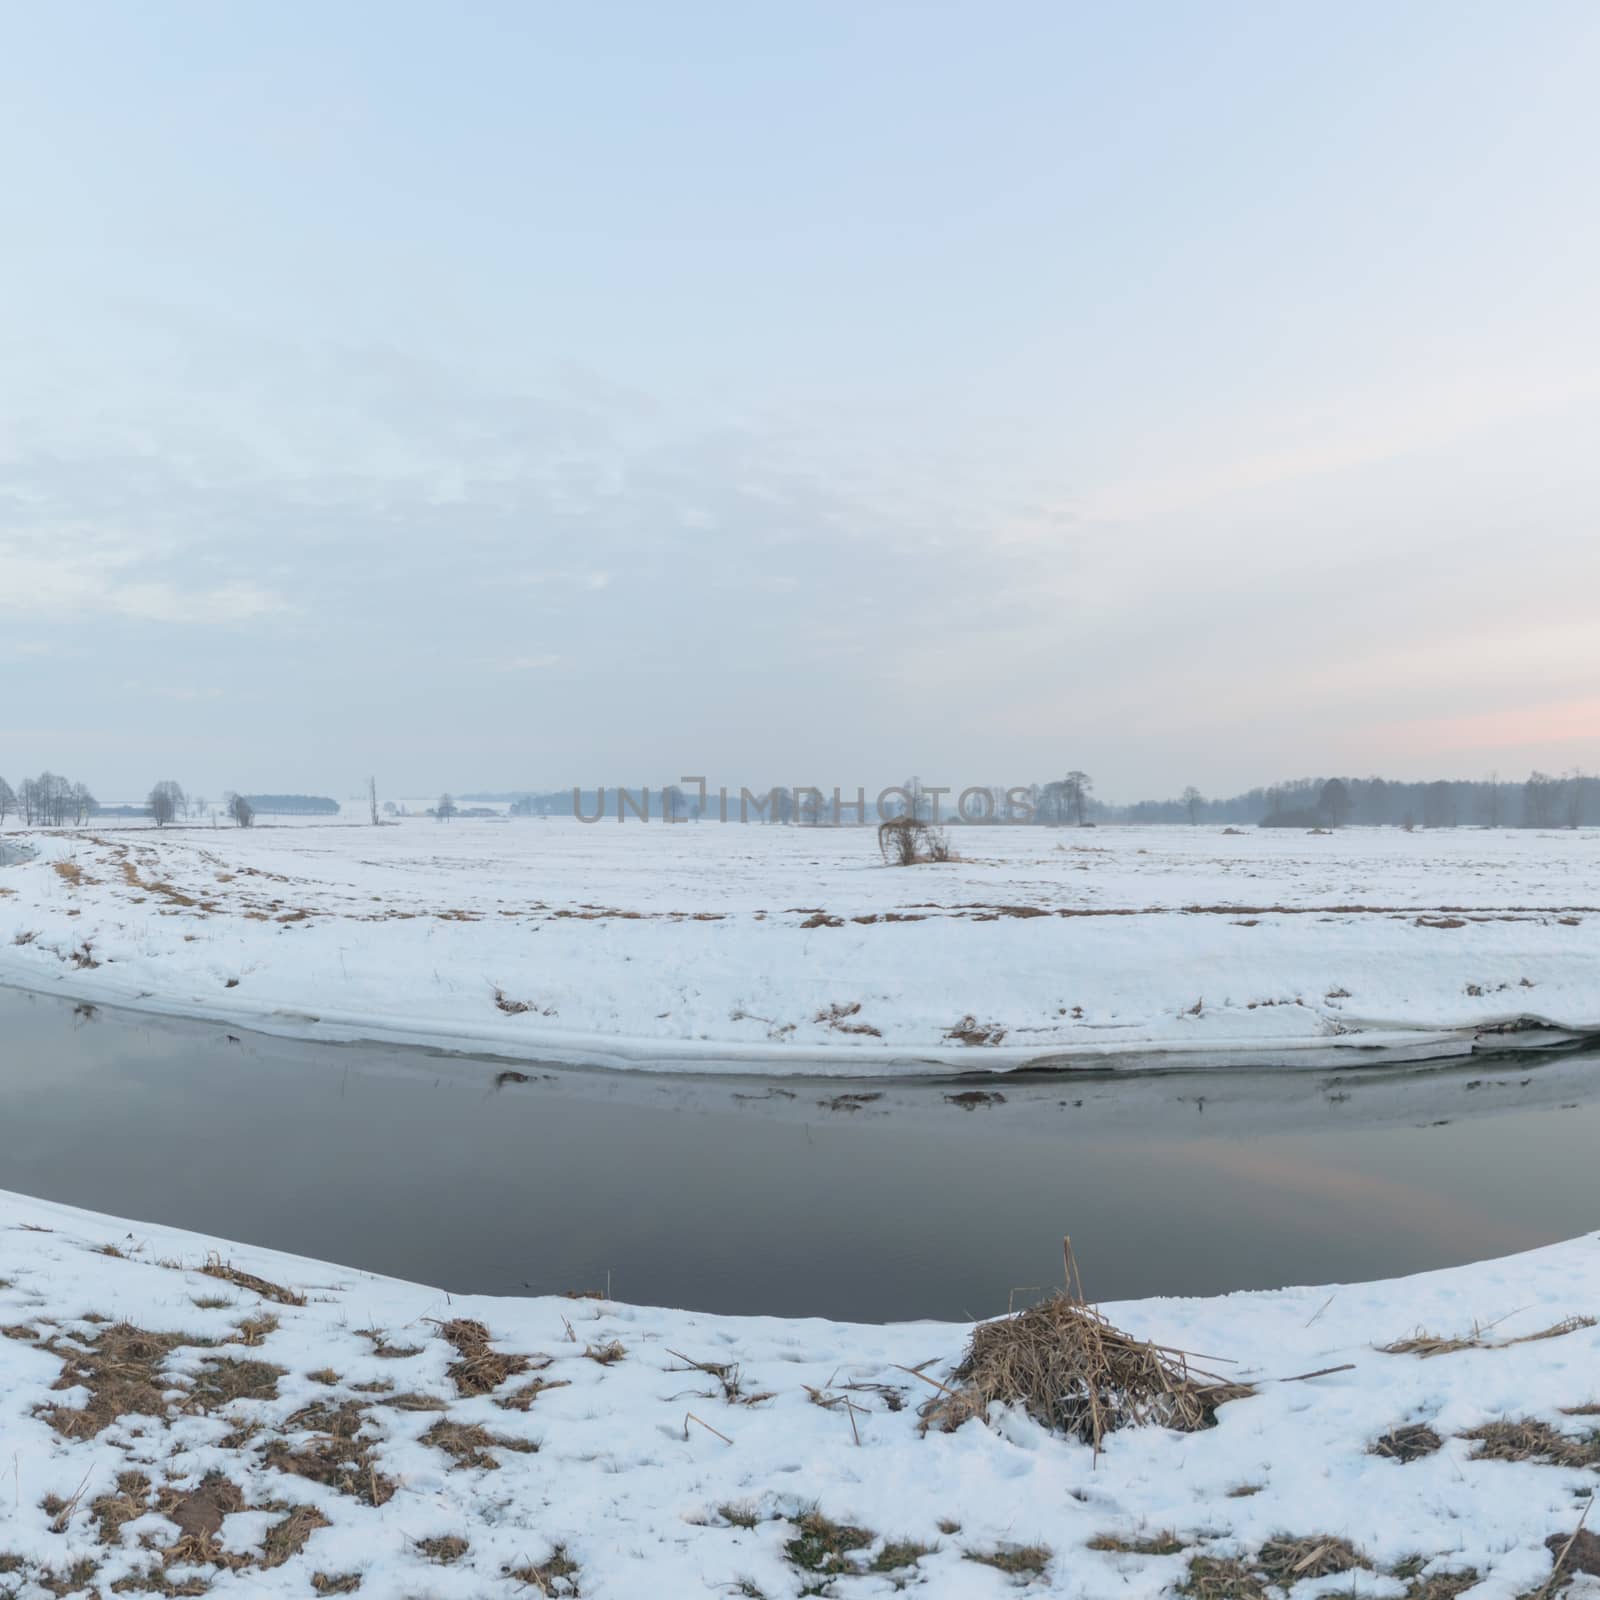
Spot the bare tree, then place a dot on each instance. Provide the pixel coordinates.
(1439, 805)
(84, 804)
(8, 801)
(1491, 809)
(166, 802)
(1078, 787)
(372, 799)
(1334, 803)
(1377, 800)
(1192, 801)
(50, 800)
(446, 808)
(1538, 799)
(240, 809)
(1572, 797)
(199, 806)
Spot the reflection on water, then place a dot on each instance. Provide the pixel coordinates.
(745, 1196)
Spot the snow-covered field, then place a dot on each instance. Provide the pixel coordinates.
(781, 947)
(254, 1445)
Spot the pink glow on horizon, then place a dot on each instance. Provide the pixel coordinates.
(1560, 722)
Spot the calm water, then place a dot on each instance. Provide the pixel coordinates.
(747, 1196)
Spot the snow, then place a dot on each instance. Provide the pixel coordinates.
(637, 1459)
(725, 946)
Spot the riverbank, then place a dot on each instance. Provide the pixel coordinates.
(179, 1410)
(789, 949)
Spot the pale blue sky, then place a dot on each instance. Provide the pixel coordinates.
(513, 394)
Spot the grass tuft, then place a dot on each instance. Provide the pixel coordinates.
(1528, 1439)
(556, 1575)
(1025, 1561)
(1155, 1544)
(1285, 1561)
(480, 1370)
(216, 1267)
(1409, 1443)
(824, 1546)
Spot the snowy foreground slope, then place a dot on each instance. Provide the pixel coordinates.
(697, 944)
(175, 1431)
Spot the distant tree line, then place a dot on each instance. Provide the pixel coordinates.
(294, 805)
(48, 801)
(1541, 800)
(51, 801)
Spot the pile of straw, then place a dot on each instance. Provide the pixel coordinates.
(1075, 1373)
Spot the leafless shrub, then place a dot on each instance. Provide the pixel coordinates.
(908, 841)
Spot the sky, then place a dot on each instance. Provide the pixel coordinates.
(518, 395)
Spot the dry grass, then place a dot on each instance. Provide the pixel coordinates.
(386, 1351)
(468, 1444)
(72, 1579)
(412, 1400)
(1221, 1578)
(607, 1354)
(1025, 1561)
(1442, 1585)
(1529, 1439)
(112, 1512)
(824, 1546)
(1409, 1443)
(897, 1554)
(1285, 1561)
(444, 1548)
(344, 1583)
(522, 1397)
(970, 1031)
(223, 1379)
(1154, 1544)
(285, 1539)
(1075, 1373)
(841, 1017)
(556, 1575)
(1426, 1345)
(332, 1451)
(157, 1580)
(254, 1329)
(726, 1375)
(1430, 1344)
(216, 1267)
(121, 1368)
(480, 1369)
